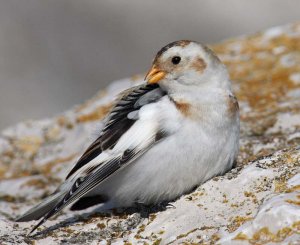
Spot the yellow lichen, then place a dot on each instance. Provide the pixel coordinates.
(252, 196)
(186, 234)
(63, 121)
(225, 200)
(280, 186)
(96, 114)
(236, 222)
(294, 202)
(37, 183)
(101, 226)
(240, 236)
(46, 169)
(294, 188)
(52, 133)
(263, 80)
(157, 242)
(264, 235)
(29, 144)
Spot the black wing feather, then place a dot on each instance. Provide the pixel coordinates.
(84, 184)
(117, 122)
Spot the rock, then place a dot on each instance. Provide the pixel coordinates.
(257, 202)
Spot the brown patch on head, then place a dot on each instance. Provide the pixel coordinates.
(181, 43)
(199, 65)
(233, 105)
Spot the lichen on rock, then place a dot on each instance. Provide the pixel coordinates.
(255, 203)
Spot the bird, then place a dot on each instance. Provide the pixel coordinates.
(161, 139)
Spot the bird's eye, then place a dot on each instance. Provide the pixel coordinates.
(176, 60)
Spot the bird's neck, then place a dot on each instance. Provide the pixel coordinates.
(210, 92)
(175, 88)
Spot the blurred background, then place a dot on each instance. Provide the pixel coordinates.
(57, 53)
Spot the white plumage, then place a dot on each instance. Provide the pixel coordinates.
(160, 140)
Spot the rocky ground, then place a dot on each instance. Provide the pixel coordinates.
(258, 202)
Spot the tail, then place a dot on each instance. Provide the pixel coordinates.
(41, 209)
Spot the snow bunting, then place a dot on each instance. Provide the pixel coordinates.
(161, 139)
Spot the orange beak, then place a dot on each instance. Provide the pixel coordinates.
(155, 75)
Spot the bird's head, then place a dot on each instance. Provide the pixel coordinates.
(186, 63)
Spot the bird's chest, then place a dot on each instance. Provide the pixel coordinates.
(214, 111)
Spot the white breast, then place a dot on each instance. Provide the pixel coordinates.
(194, 152)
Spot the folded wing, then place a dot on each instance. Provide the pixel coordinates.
(119, 120)
(124, 138)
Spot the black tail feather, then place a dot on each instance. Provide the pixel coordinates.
(86, 202)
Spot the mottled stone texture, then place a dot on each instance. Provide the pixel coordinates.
(258, 202)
